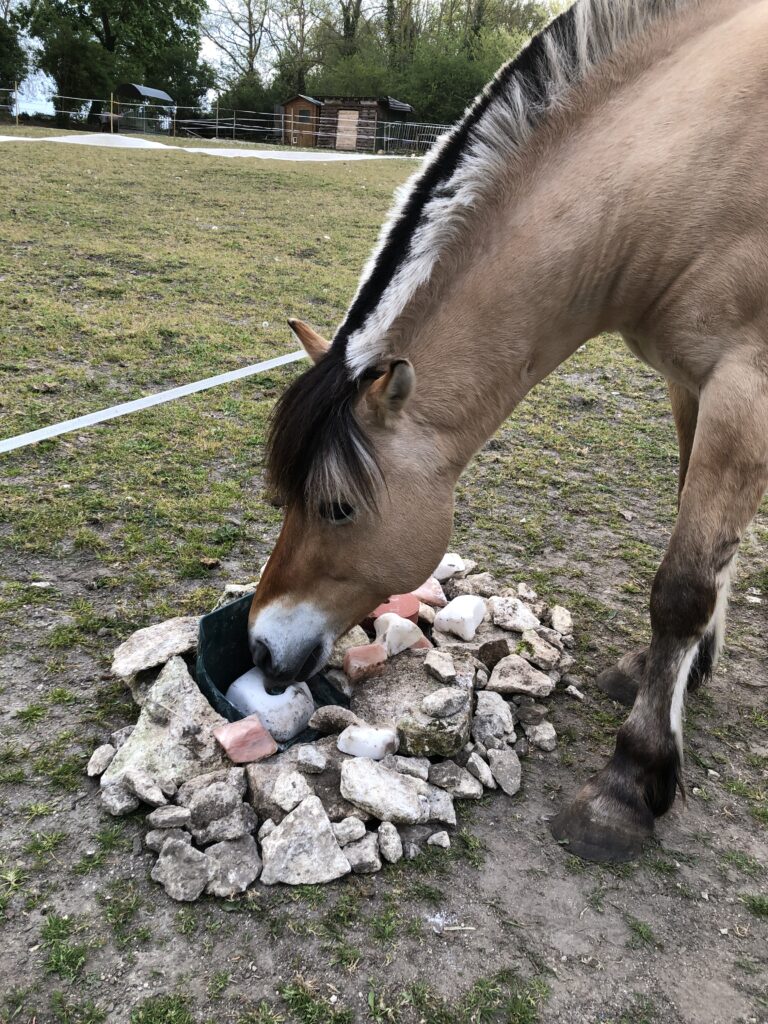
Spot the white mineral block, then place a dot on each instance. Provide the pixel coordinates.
(450, 564)
(461, 616)
(396, 633)
(368, 741)
(284, 715)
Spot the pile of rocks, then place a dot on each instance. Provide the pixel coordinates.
(445, 697)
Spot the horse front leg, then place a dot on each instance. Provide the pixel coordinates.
(614, 812)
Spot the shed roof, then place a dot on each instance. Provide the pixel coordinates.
(143, 92)
(399, 105)
(307, 99)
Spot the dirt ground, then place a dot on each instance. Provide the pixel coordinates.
(575, 494)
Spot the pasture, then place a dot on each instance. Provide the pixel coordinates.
(124, 273)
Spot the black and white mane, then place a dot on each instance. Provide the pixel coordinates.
(318, 452)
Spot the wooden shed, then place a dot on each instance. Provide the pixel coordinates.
(357, 122)
(301, 120)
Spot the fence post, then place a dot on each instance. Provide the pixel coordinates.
(111, 113)
(234, 124)
(217, 119)
(16, 98)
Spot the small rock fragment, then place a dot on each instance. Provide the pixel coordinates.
(170, 816)
(181, 870)
(482, 583)
(144, 787)
(356, 637)
(441, 839)
(232, 866)
(100, 759)
(389, 795)
(426, 614)
(290, 789)
(476, 766)
(302, 849)
(538, 652)
(218, 813)
(157, 838)
(461, 616)
(439, 664)
(450, 564)
(333, 718)
(245, 741)
(310, 759)
(418, 767)
(513, 675)
(526, 593)
(505, 765)
(396, 634)
(266, 828)
(117, 799)
(234, 777)
(445, 702)
(431, 593)
(364, 662)
(118, 738)
(455, 780)
(363, 855)
(561, 620)
(574, 691)
(368, 741)
(510, 613)
(390, 843)
(349, 830)
(542, 735)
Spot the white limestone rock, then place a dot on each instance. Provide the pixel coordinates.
(363, 855)
(561, 620)
(476, 766)
(441, 839)
(181, 870)
(140, 783)
(542, 735)
(100, 760)
(290, 789)
(349, 830)
(418, 767)
(505, 765)
(391, 796)
(439, 664)
(455, 780)
(218, 813)
(155, 645)
(311, 759)
(232, 866)
(170, 816)
(538, 652)
(117, 799)
(302, 849)
(513, 675)
(511, 614)
(390, 843)
(158, 837)
(461, 616)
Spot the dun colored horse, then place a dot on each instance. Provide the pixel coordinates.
(611, 178)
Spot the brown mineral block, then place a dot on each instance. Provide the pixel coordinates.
(364, 662)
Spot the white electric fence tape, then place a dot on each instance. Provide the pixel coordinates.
(44, 433)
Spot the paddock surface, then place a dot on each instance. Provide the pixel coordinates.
(124, 273)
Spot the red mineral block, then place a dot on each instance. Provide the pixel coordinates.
(364, 662)
(245, 741)
(406, 605)
(430, 592)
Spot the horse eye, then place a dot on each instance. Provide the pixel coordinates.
(337, 512)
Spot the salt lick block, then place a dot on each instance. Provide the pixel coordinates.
(283, 714)
(405, 605)
(461, 616)
(430, 592)
(246, 741)
(450, 564)
(365, 662)
(396, 633)
(368, 741)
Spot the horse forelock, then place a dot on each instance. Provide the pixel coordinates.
(318, 451)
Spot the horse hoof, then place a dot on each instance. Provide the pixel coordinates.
(618, 685)
(587, 829)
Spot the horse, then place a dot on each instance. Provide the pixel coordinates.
(610, 178)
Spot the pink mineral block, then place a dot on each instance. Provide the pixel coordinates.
(245, 741)
(364, 662)
(431, 593)
(405, 605)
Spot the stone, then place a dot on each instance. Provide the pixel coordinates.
(364, 662)
(431, 593)
(266, 828)
(441, 839)
(552, 637)
(157, 838)
(239, 823)
(290, 789)
(391, 796)
(181, 870)
(138, 782)
(440, 666)
(246, 740)
(418, 767)
(505, 765)
(118, 738)
(333, 718)
(492, 651)
(482, 583)
(476, 766)
(489, 732)
(390, 843)
(492, 703)
(233, 592)
(356, 637)
(302, 849)
(263, 775)
(522, 748)
(310, 759)
(510, 613)
(405, 605)
(117, 799)
(574, 691)
(349, 830)
(170, 816)
(234, 777)
(100, 760)
(531, 714)
(396, 634)
(283, 715)
(455, 780)
(513, 675)
(445, 702)
(363, 856)
(179, 746)
(538, 652)
(218, 813)
(526, 593)
(561, 620)
(542, 735)
(368, 741)
(396, 698)
(426, 614)
(461, 616)
(337, 678)
(450, 564)
(155, 645)
(232, 866)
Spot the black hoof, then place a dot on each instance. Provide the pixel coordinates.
(597, 828)
(618, 685)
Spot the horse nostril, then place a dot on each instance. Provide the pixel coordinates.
(262, 657)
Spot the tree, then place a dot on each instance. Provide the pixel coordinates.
(237, 29)
(13, 59)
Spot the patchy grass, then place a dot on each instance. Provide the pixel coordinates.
(63, 957)
(169, 1009)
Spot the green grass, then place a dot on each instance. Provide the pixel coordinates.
(168, 1009)
(63, 957)
(307, 1006)
(642, 934)
(757, 904)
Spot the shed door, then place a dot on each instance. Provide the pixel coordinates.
(346, 131)
(304, 128)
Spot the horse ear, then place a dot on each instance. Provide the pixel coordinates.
(314, 344)
(392, 390)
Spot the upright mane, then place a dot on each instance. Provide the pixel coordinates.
(317, 450)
